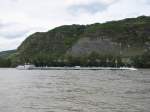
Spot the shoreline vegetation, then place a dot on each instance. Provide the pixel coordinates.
(137, 62)
(124, 43)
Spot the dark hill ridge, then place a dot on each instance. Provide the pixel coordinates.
(127, 41)
(4, 58)
(5, 54)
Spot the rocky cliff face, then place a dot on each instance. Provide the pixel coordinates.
(86, 46)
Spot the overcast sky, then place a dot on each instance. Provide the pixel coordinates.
(20, 18)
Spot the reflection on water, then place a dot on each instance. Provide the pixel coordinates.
(74, 91)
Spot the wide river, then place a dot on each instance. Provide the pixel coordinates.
(74, 91)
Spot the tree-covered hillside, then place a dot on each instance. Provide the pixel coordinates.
(125, 43)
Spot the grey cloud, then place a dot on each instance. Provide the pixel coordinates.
(89, 8)
(5, 25)
(148, 1)
(12, 35)
(12, 30)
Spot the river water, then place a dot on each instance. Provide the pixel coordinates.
(74, 91)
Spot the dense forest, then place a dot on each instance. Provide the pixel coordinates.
(115, 43)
